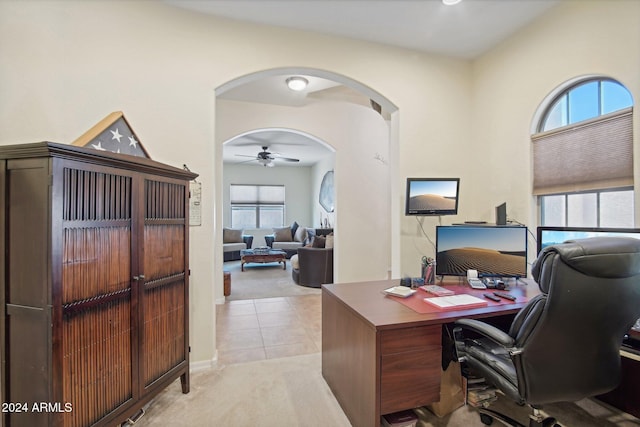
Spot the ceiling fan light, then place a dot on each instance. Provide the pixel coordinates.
(450, 2)
(297, 83)
(265, 162)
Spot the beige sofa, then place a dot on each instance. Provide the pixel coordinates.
(288, 239)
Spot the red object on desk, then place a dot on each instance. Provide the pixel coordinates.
(416, 303)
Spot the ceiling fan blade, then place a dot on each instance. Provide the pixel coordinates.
(244, 155)
(287, 159)
(245, 161)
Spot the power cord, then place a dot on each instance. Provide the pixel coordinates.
(424, 233)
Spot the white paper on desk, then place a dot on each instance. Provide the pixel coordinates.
(455, 301)
(400, 291)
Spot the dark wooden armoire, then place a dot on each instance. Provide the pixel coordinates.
(95, 282)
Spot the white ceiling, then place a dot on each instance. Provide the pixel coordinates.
(466, 31)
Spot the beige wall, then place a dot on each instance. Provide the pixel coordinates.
(65, 65)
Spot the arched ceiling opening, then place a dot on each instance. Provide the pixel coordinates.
(269, 87)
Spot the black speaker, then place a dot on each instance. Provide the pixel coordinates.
(501, 214)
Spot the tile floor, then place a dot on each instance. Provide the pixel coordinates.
(268, 328)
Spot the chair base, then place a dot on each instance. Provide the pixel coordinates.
(536, 419)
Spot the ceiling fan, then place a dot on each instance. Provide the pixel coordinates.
(266, 158)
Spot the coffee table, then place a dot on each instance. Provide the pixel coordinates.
(249, 255)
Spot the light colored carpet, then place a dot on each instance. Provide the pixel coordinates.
(263, 281)
(291, 392)
(276, 392)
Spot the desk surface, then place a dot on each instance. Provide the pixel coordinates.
(366, 300)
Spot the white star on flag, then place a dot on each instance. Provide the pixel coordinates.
(116, 135)
(132, 141)
(98, 146)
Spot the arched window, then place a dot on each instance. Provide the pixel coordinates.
(583, 157)
(585, 101)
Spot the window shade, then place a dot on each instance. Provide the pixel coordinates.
(592, 155)
(257, 194)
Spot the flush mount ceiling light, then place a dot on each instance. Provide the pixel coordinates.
(297, 83)
(450, 2)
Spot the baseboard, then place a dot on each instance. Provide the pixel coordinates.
(204, 365)
(220, 301)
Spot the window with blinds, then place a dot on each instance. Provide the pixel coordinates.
(583, 157)
(257, 206)
(594, 154)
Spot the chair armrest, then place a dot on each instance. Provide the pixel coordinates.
(248, 240)
(487, 330)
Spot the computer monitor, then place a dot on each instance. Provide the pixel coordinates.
(492, 251)
(547, 236)
(432, 196)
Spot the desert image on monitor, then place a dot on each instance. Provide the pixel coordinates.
(484, 260)
(432, 202)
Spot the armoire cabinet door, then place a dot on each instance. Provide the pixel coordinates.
(96, 293)
(163, 345)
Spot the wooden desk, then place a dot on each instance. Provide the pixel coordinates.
(379, 356)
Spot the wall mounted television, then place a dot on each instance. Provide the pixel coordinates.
(432, 196)
(547, 236)
(494, 251)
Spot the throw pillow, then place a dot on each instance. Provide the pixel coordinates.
(301, 235)
(329, 241)
(282, 234)
(294, 228)
(311, 233)
(319, 241)
(295, 264)
(231, 235)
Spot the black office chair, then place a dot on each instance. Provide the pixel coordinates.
(564, 345)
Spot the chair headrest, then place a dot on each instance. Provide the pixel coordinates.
(608, 257)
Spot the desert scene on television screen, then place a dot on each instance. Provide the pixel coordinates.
(486, 261)
(431, 202)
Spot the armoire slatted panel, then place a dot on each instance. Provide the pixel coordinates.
(96, 294)
(90, 195)
(97, 366)
(164, 331)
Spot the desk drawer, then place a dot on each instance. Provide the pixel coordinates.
(409, 339)
(410, 366)
(409, 380)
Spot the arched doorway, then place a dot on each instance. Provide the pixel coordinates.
(364, 137)
(274, 177)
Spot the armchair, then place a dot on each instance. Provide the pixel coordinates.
(314, 267)
(564, 345)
